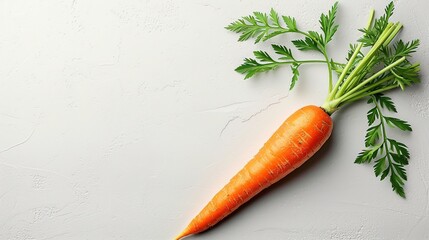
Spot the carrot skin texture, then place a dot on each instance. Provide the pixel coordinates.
(297, 139)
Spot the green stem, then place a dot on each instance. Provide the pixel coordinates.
(383, 127)
(296, 61)
(329, 70)
(344, 72)
(370, 19)
(371, 93)
(364, 90)
(312, 61)
(368, 80)
(383, 132)
(322, 49)
(304, 33)
(394, 33)
(351, 60)
(351, 80)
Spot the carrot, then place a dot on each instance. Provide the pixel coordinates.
(385, 66)
(297, 139)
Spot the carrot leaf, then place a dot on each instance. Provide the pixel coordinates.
(251, 67)
(395, 122)
(290, 23)
(264, 26)
(285, 52)
(295, 76)
(390, 156)
(327, 23)
(306, 44)
(384, 101)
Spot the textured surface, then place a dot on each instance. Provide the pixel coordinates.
(121, 119)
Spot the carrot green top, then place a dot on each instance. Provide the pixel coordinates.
(377, 63)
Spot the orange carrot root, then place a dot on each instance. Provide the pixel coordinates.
(297, 139)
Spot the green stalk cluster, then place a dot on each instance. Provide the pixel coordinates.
(359, 79)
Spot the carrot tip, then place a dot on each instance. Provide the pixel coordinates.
(182, 234)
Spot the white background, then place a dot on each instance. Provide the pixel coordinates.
(121, 119)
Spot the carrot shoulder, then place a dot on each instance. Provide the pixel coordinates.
(297, 139)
